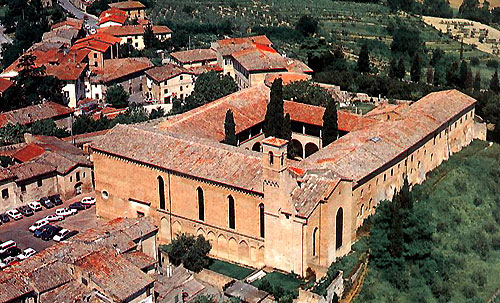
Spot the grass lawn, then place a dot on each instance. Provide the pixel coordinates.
(3, 10)
(229, 269)
(288, 282)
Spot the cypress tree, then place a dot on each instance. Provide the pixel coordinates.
(364, 60)
(464, 69)
(469, 81)
(273, 121)
(401, 69)
(416, 68)
(477, 83)
(330, 124)
(230, 129)
(494, 85)
(393, 69)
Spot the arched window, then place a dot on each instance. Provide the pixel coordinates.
(339, 226)
(161, 192)
(261, 220)
(315, 241)
(271, 158)
(230, 200)
(201, 204)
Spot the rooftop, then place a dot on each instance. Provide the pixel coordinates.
(118, 68)
(129, 30)
(167, 71)
(12, 287)
(30, 114)
(127, 5)
(260, 58)
(195, 55)
(112, 18)
(71, 22)
(5, 84)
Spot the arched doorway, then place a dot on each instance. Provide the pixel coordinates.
(339, 228)
(256, 147)
(78, 188)
(297, 146)
(310, 149)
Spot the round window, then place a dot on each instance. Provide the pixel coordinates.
(104, 194)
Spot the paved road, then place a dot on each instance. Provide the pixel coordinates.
(3, 38)
(18, 230)
(69, 7)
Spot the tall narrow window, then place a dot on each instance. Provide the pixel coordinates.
(271, 158)
(161, 192)
(261, 220)
(231, 212)
(339, 226)
(201, 204)
(315, 237)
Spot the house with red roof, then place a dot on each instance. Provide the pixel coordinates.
(134, 34)
(133, 9)
(101, 47)
(164, 83)
(60, 114)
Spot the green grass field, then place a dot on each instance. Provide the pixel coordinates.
(287, 282)
(229, 269)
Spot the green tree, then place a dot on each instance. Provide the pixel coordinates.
(393, 69)
(209, 87)
(452, 76)
(330, 123)
(364, 60)
(307, 25)
(406, 40)
(401, 71)
(416, 68)
(464, 70)
(190, 251)
(494, 84)
(230, 129)
(150, 40)
(156, 113)
(117, 96)
(48, 127)
(274, 119)
(306, 92)
(477, 83)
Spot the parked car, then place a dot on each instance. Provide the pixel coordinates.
(56, 199)
(69, 235)
(88, 201)
(14, 214)
(38, 224)
(50, 232)
(65, 212)
(4, 218)
(10, 252)
(6, 245)
(26, 211)
(46, 202)
(61, 234)
(35, 206)
(78, 206)
(38, 233)
(11, 259)
(52, 218)
(28, 252)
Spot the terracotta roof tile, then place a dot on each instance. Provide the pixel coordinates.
(128, 5)
(167, 71)
(112, 11)
(72, 22)
(112, 18)
(30, 114)
(129, 30)
(140, 259)
(29, 152)
(195, 55)
(198, 70)
(118, 68)
(259, 59)
(5, 84)
(13, 287)
(286, 77)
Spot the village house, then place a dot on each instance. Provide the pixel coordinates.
(112, 17)
(134, 34)
(127, 72)
(259, 208)
(5, 84)
(133, 9)
(100, 47)
(110, 263)
(44, 166)
(194, 57)
(169, 81)
(60, 114)
(70, 67)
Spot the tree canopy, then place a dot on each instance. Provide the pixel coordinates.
(230, 129)
(117, 96)
(274, 119)
(190, 251)
(330, 123)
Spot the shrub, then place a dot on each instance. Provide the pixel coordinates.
(190, 251)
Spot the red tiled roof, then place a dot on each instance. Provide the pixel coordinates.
(118, 68)
(262, 39)
(66, 72)
(112, 18)
(256, 59)
(195, 55)
(102, 37)
(129, 30)
(274, 141)
(5, 84)
(75, 23)
(30, 114)
(198, 70)
(112, 11)
(167, 71)
(29, 152)
(286, 77)
(127, 5)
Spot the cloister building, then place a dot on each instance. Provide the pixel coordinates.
(256, 206)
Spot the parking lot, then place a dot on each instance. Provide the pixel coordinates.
(18, 230)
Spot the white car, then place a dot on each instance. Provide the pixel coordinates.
(35, 206)
(52, 218)
(14, 214)
(28, 252)
(65, 212)
(61, 234)
(38, 224)
(88, 201)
